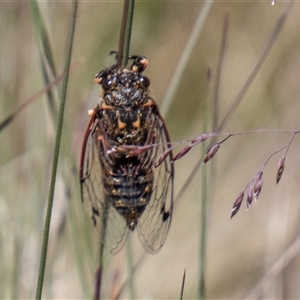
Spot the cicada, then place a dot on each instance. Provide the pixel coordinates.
(122, 185)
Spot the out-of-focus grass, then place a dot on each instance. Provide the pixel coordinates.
(239, 251)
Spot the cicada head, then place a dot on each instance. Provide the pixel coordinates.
(125, 88)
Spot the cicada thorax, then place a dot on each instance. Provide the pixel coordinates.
(126, 116)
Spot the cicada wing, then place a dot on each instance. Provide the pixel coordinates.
(153, 226)
(111, 226)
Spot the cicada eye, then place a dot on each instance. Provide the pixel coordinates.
(145, 81)
(107, 84)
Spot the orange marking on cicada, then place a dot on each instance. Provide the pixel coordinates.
(121, 125)
(98, 80)
(140, 64)
(137, 123)
(106, 107)
(148, 103)
(91, 112)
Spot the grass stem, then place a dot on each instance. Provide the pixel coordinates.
(44, 249)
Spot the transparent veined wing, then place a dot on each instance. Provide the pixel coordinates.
(111, 226)
(153, 226)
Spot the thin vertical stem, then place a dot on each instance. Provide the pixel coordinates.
(203, 200)
(98, 276)
(203, 218)
(219, 72)
(44, 250)
(182, 285)
(128, 33)
(130, 268)
(125, 33)
(185, 57)
(122, 33)
(257, 66)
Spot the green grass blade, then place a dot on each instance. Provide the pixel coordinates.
(56, 154)
(258, 65)
(130, 268)
(185, 57)
(204, 183)
(43, 35)
(125, 33)
(45, 53)
(128, 30)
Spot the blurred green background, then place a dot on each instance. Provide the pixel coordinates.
(241, 252)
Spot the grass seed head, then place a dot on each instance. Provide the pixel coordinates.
(258, 182)
(162, 157)
(237, 204)
(181, 153)
(200, 139)
(280, 169)
(211, 152)
(250, 195)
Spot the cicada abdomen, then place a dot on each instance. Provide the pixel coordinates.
(121, 186)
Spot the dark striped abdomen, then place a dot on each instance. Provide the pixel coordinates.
(128, 188)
